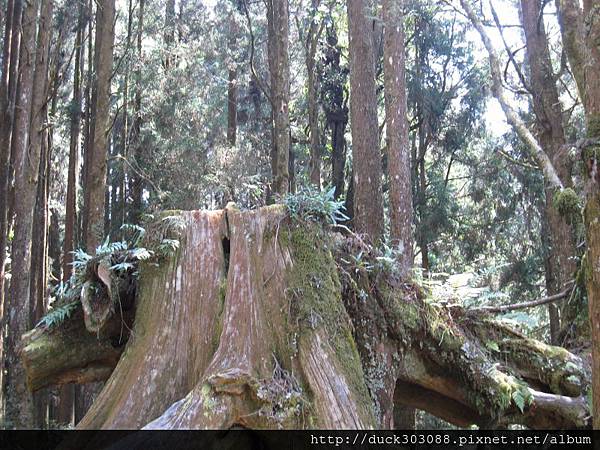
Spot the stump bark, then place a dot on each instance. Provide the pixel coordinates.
(262, 321)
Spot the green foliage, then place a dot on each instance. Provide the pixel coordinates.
(522, 398)
(109, 248)
(359, 262)
(133, 233)
(316, 206)
(171, 225)
(58, 315)
(124, 257)
(168, 247)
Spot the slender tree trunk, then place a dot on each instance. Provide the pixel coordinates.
(232, 92)
(368, 202)
(13, 86)
(6, 114)
(96, 180)
(169, 36)
(580, 30)
(232, 84)
(73, 174)
(419, 147)
(38, 139)
(97, 151)
(87, 128)
(547, 108)
(399, 171)
(312, 40)
(397, 133)
(125, 129)
(19, 405)
(279, 67)
(422, 198)
(336, 110)
(137, 188)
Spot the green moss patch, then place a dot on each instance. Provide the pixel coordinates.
(316, 298)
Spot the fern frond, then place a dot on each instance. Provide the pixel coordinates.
(58, 315)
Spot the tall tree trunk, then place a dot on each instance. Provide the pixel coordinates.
(38, 139)
(169, 36)
(9, 73)
(73, 173)
(580, 30)
(548, 113)
(419, 147)
(399, 170)
(125, 129)
(397, 133)
(368, 202)
(334, 102)
(137, 188)
(87, 128)
(38, 142)
(96, 179)
(232, 84)
(19, 406)
(279, 67)
(312, 40)
(97, 152)
(39, 263)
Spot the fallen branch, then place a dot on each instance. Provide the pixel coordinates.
(516, 306)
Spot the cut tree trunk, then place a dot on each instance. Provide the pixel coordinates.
(262, 321)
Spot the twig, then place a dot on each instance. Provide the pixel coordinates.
(515, 161)
(511, 54)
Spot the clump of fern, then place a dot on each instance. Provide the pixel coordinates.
(123, 256)
(58, 314)
(317, 206)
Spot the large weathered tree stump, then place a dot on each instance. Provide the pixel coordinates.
(262, 321)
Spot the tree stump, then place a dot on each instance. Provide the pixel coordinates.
(261, 321)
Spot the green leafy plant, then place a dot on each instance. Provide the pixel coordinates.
(123, 257)
(317, 206)
(58, 315)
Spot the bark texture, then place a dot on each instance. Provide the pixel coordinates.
(267, 324)
(96, 175)
(310, 47)
(278, 16)
(368, 203)
(580, 28)
(334, 102)
(398, 150)
(561, 265)
(19, 405)
(137, 182)
(7, 95)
